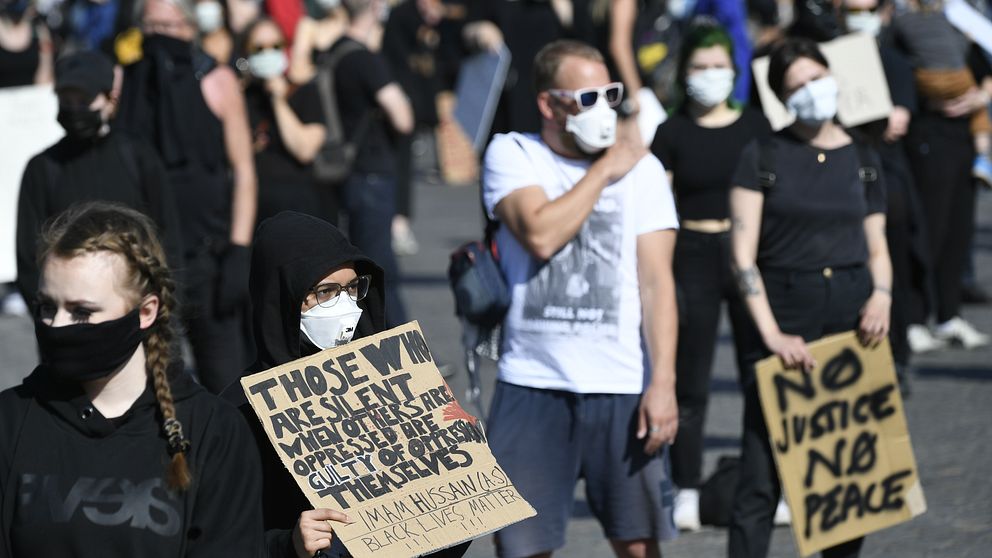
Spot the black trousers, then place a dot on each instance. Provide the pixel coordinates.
(941, 153)
(369, 200)
(704, 280)
(906, 236)
(222, 345)
(811, 305)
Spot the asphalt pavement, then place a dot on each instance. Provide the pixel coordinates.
(949, 414)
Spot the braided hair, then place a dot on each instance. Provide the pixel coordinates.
(106, 227)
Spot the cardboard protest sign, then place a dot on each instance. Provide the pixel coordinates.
(971, 22)
(480, 84)
(370, 428)
(30, 110)
(840, 442)
(857, 67)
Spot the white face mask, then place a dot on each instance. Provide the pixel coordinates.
(710, 87)
(209, 16)
(268, 63)
(594, 129)
(331, 326)
(815, 103)
(864, 22)
(328, 5)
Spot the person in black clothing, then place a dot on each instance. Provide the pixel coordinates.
(699, 146)
(142, 460)
(372, 107)
(192, 111)
(303, 274)
(808, 210)
(904, 218)
(287, 127)
(25, 46)
(90, 163)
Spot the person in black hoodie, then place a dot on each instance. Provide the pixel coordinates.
(107, 449)
(92, 162)
(307, 285)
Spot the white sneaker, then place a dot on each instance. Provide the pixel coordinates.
(960, 331)
(921, 340)
(687, 510)
(782, 514)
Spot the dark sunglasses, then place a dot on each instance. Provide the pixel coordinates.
(587, 97)
(255, 49)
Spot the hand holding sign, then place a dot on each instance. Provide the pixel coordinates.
(313, 531)
(841, 446)
(371, 433)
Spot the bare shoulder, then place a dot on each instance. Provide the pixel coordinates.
(221, 90)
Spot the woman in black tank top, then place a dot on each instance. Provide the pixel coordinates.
(23, 64)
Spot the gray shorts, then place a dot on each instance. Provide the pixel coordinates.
(546, 440)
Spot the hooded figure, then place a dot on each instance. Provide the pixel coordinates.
(293, 252)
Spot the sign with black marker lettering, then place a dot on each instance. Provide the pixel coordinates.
(370, 428)
(840, 442)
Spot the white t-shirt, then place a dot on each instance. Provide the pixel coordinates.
(574, 323)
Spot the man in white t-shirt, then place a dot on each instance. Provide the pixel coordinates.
(587, 373)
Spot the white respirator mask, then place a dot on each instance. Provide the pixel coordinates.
(710, 87)
(209, 16)
(268, 63)
(864, 22)
(330, 326)
(815, 103)
(594, 129)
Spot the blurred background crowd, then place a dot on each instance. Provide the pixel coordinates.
(212, 115)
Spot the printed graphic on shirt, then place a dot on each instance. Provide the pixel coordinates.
(578, 290)
(107, 502)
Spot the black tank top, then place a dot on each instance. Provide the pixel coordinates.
(18, 68)
(162, 101)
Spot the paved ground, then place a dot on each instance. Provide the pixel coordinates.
(949, 414)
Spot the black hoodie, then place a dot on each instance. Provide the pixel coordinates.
(74, 483)
(293, 252)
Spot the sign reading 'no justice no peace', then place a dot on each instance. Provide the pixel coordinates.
(840, 442)
(371, 428)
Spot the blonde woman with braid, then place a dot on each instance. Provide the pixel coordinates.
(108, 449)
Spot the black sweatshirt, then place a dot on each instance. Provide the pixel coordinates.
(115, 168)
(292, 253)
(73, 483)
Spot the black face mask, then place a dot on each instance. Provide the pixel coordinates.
(171, 48)
(81, 124)
(83, 352)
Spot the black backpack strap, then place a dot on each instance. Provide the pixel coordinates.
(328, 95)
(867, 171)
(766, 163)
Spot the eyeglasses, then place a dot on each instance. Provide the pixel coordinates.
(255, 49)
(587, 97)
(164, 27)
(326, 294)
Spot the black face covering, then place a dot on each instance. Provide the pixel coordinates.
(81, 124)
(84, 352)
(155, 46)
